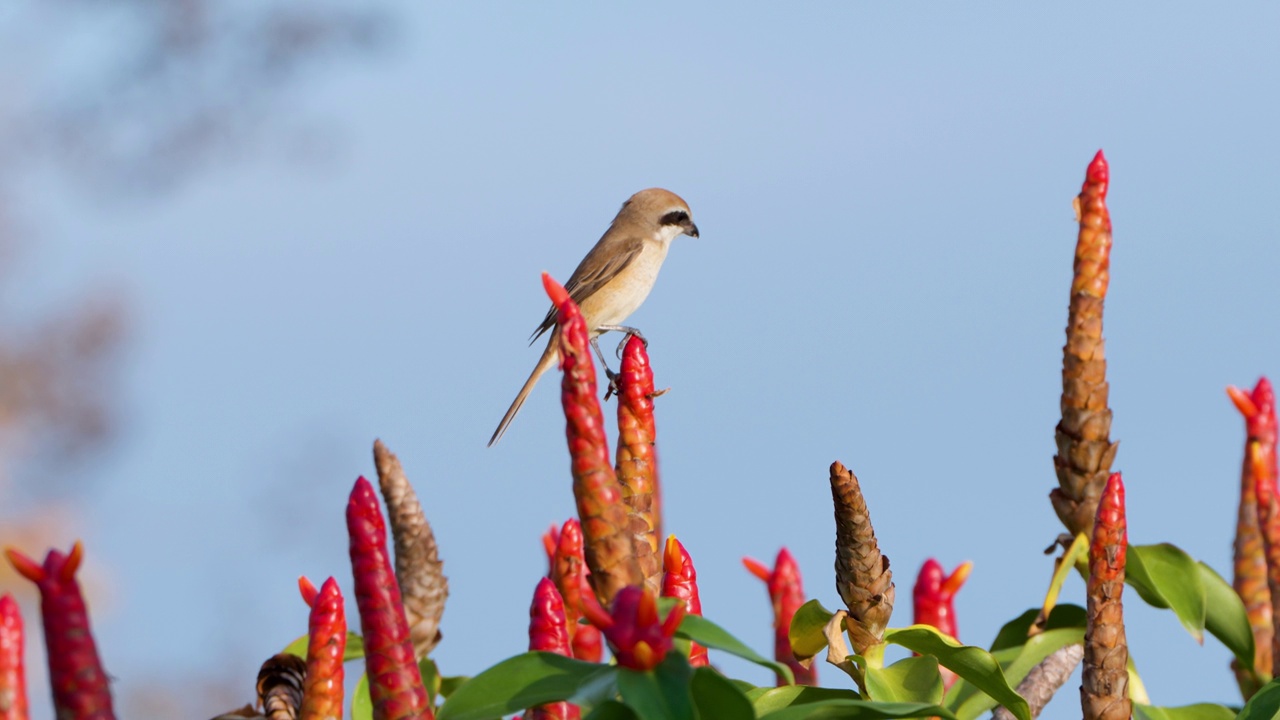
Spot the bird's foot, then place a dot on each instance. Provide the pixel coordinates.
(613, 384)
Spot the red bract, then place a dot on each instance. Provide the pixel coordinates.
(638, 639)
(569, 571)
(595, 486)
(395, 684)
(549, 632)
(786, 593)
(80, 690)
(934, 600)
(680, 581)
(322, 693)
(13, 682)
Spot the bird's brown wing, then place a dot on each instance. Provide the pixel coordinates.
(602, 264)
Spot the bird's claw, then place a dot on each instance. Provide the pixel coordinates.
(613, 384)
(627, 337)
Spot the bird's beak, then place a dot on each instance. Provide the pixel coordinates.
(690, 229)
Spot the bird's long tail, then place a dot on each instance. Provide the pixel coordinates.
(548, 361)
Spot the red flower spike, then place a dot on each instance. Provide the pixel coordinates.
(549, 632)
(604, 519)
(680, 581)
(395, 685)
(80, 690)
(569, 571)
(934, 602)
(637, 639)
(322, 691)
(786, 593)
(13, 681)
(637, 464)
(1104, 690)
(1250, 557)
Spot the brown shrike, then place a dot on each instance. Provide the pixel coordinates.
(614, 278)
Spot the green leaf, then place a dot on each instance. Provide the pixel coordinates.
(661, 693)
(857, 710)
(361, 702)
(1226, 617)
(718, 698)
(702, 630)
(1015, 632)
(612, 710)
(1199, 711)
(449, 683)
(430, 679)
(354, 651)
(913, 679)
(767, 700)
(806, 633)
(514, 684)
(973, 664)
(969, 702)
(1264, 705)
(1167, 577)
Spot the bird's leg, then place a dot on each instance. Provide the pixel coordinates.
(629, 332)
(613, 376)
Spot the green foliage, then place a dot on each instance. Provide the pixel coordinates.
(1166, 577)
(1200, 711)
(523, 681)
(857, 710)
(702, 630)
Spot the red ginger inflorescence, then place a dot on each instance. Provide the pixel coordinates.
(934, 601)
(1250, 577)
(549, 632)
(638, 638)
(637, 464)
(603, 515)
(786, 593)
(13, 681)
(568, 569)
(327, 627)
(680, 581)
(1104, 691)
(395, 684)
(80, 688)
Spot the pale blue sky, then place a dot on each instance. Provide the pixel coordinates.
(884, 194)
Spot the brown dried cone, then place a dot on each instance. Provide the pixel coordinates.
(280, 683)
(1085, 450)
(863, 577)
(637, 461)
(419, 570)
(1104, 693)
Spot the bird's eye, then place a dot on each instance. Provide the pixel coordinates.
(675, 217)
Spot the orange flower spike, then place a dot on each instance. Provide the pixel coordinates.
(603, 515)
(327, 627)
(1250, 556)
(680, 581)
(13, 681)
